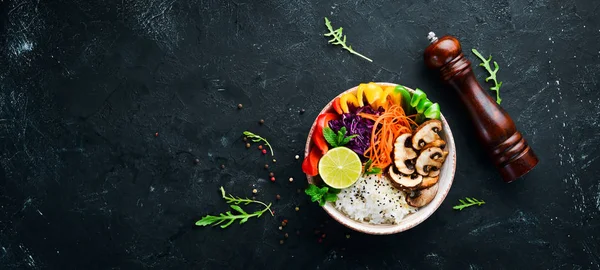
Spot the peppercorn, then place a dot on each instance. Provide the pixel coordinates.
(347, 236)
(260, 147)
(278, 197)
(283, 223)
(286, 235)
(297, 208)
(320, 240)
(323, 235)
(245, 139)
(302, 111)
(272, 179)
(156, 134)
(291, 179)
(266, 166)
(274, 161)
(264, 151)
(240, 106)
(262, 121)
(254, 191)
(297, 157)
(247, 145)
(271, 174)
(281, 242)
(222, 166)
(280, 228)
(196, 161)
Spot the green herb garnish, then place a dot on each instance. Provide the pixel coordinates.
(256, 138)
(371, 170)
(337, 139)
(227, 218)
(467, 202)
(486, 65)
(322, 195)
(339, 39)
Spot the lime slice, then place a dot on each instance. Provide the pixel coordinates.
(340, 167)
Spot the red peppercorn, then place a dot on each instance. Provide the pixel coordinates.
(323, 236)
(264, 151)
(272, 179)
(260, 147)
(156, 134)
(320, 240)
(285, 220)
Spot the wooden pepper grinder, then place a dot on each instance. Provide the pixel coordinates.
(496, 130)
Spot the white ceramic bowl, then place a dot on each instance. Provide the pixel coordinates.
(411, 220)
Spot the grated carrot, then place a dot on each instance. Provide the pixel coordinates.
(388, 126)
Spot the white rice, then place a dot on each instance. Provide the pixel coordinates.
(374, 200)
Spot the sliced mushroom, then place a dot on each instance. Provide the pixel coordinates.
(404, 156)
(404, 181)
(422, 197)
(437, 143)
(426, 133)
(429, 181)
(430, 161)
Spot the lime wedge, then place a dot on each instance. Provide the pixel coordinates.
(340, 167)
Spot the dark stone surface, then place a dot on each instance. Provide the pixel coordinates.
(85, 85)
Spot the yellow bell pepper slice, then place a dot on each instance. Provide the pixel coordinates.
(391, 95)
(373, 93)
(346, 99)
(359, 94)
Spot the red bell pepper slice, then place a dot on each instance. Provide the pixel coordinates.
(317, 138)
(336, 106)
(310, 165)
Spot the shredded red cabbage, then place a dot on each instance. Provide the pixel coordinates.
(356, 125)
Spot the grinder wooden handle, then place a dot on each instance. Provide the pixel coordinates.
(495, 129)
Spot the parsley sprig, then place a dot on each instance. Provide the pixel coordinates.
(486, 64)
(256, 138)
(322, 195)
(340, 39)
(227, 218)
(337, 139)
(468, 202)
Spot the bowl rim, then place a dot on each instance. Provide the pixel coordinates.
(387, 229)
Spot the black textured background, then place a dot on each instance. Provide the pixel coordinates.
(85, 85)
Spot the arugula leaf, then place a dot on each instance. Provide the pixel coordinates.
(227, 218)
(257, 138)
(340, 39)
(468, 203)
(322, 195)
(486, 64)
